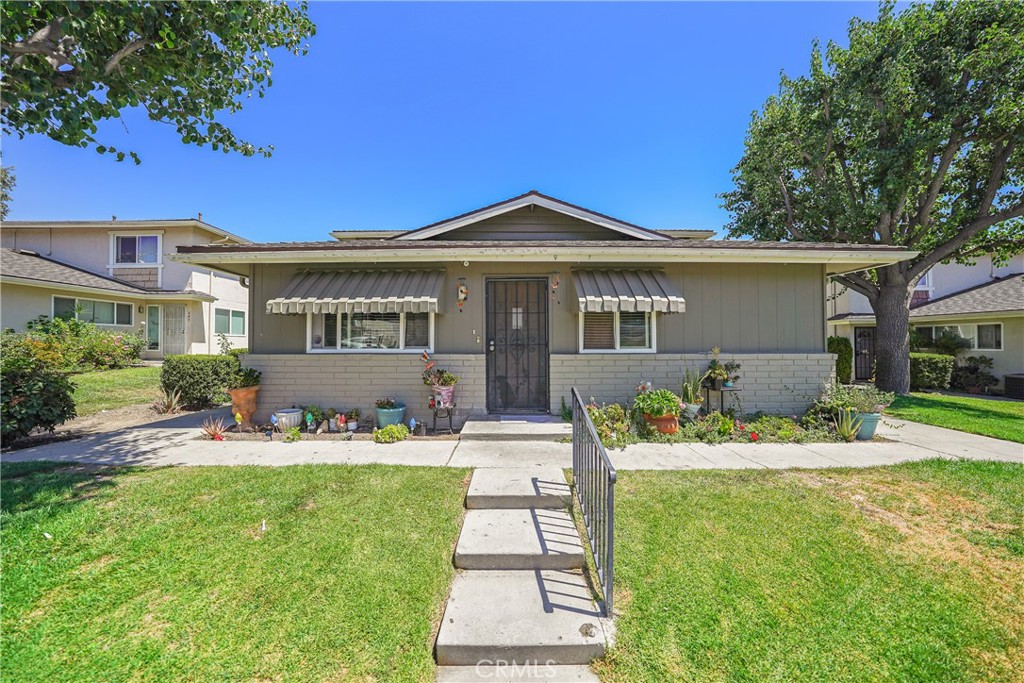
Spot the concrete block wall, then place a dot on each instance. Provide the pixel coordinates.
(777, 383)
(356, 380)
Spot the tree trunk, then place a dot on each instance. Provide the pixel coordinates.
(892, 337)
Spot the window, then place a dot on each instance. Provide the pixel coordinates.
(371, 331)
(90, 311)
(229, 322)
(990, 337)
(925, 282)
(136, 249)
(620, 331)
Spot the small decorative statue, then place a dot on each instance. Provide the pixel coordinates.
(463, 294)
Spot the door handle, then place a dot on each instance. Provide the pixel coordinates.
(490, 345)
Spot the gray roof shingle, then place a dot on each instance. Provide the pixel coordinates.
(27, 265)
(997, 296)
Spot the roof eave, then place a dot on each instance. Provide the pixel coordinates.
(141, 224)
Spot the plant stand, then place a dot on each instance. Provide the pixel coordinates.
(721, 397)
(443, 412)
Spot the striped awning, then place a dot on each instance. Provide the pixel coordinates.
(602, 291)
(360, 291)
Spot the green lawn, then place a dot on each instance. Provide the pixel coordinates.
(168, 574)
(911, 573)
(1001, 419)
(96, 391)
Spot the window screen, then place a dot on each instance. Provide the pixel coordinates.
(634, 330)
(598, 331)
(417, 330)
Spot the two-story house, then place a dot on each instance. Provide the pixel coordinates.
(982, 302)
(117, 274)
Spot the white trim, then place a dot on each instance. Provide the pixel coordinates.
(401, 337)
(148, 225)
(528, 200)
(615, 331)
(131, 308)
(159, 265)
(160, 332)
(925, 283)
(973, 328)
(977, 338)
(244, 312)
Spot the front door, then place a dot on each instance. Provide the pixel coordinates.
(174, 335)
(517, 346)
(864, 353)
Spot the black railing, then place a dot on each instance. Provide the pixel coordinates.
(593, 478)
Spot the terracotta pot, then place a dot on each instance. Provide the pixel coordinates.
(666, 424)
(244, 401)
(445, 395)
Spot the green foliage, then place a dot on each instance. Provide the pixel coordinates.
(214, 428)
(168, 403)
(69, 66)
(565, 411)
(657, 403)
(244, 377)
(848, 423)
(200, 379)
(838, 397)
(353, 414)
(391, 434)
(949, 343)
(910, 134)
(843, 349)
(74, 346)
(318, 413)
(292, 434)
(974, 374)
(691, 387)
(386, 403)
(436, 377)
(7, 182)
(930, 371)
(613, 424)
(34, 395)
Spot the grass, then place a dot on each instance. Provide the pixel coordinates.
(169, 574)
(96, 391)
(909, 573)
(1001, 419)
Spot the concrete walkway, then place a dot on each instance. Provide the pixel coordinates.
(172, 442)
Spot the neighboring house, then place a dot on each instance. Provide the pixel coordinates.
(982, 302)
(527, 298)
(116, 274)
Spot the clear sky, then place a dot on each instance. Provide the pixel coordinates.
(403, 114)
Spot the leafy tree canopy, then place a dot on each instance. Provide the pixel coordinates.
(7, 182)
(912, 136)
(68, 65)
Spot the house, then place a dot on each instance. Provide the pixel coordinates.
(117, 275)
(983, 303)
(526, 298)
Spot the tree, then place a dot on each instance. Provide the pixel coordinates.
(911, 136)
(68, 65)
(7, 182)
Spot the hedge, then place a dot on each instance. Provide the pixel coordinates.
(34, 395)
(930, 371)
(843, 349)
(200, 379)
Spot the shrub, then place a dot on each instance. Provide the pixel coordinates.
(843, 349)
(930, 371)
(71, 345)
(244, 378)
(657, 403)
(974, 375)
(837, 397)
(199, 379)
(390, 434)
(612, 423)
(34, 395)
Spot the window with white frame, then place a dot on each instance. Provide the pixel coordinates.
(229, 322)
(983, 336)
(93, 311)
(371, 332)
(626, 331)
(989, 337)
(925, 283)
(136, 249)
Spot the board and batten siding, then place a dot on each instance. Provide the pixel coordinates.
(743, 308)
(532, 223)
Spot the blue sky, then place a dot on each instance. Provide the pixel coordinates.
(403, 114)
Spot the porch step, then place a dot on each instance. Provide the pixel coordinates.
(518, 487)
(519, 539)
(544, 616)
(514, 428)
(514, 672)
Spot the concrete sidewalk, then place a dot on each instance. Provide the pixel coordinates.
(172, 442)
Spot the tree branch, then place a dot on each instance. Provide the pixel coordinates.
(49, 41)
(947, 249)
(131, 48)
(859, 283)
(789, 211)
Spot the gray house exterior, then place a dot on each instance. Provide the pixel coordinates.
(526, 298)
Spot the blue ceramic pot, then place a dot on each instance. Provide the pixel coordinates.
(390, 416)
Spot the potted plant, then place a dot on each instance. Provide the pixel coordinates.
(332, 419)
(314, 417)
(243, 387)
(660, 409)
(730, 368)
(389, 412)
(716, 374)
(869, 402)
(352, 419)
(691, 394)
(443, 383)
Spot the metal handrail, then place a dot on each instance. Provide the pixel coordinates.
(593, 478)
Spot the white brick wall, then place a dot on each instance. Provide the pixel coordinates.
(346, 381)
(783, 383)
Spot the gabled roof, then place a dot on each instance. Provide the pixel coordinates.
(19, 266)
(146, 224)
(534, 198)
(997, 296)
